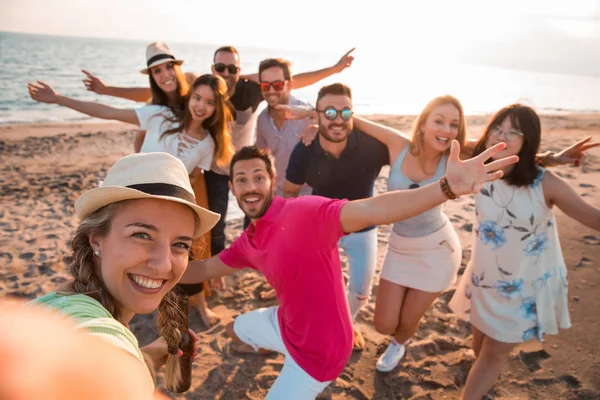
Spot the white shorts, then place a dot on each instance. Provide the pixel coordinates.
(260, 328)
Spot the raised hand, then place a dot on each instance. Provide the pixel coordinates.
(93, 83)
(42, 92)
(573, 154)
(309, 134)
(344, 62)
(466, 177)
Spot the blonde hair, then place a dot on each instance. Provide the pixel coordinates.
(87, 282)
(416, 143)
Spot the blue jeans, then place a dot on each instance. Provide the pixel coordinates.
(217, 190)
(361, 249)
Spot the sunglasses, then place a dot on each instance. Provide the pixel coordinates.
(277, 85)
(220, 68)
(331, 113)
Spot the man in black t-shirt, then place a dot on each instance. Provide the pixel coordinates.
(342, 163)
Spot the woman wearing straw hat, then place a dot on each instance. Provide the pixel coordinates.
(196, 135)
(129, 251)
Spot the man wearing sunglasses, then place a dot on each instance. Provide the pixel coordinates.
(342, 163)
(274, 133)
(245, 97)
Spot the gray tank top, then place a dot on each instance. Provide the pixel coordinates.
(431, 220)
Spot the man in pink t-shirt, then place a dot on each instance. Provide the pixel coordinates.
(293, 242)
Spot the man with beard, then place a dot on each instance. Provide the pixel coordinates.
(245, 97)
(274, 133)
(294, 243)
(342, 164)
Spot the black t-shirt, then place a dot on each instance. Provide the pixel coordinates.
(351, 176)
(247, 95)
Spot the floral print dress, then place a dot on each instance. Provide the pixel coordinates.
(515, 286)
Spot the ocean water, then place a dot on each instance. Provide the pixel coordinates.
(382, 83)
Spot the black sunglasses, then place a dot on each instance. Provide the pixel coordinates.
(331, 113)
(220, 68)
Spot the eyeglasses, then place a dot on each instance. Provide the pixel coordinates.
(331, 113)
(277, 85)
(220, 68)
(510, 135)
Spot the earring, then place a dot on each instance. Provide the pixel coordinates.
(97, 252)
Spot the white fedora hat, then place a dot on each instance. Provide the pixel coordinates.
(146, 176)
(158, 53)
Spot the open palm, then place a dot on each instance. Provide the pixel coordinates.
(42, 92)
(466, 177)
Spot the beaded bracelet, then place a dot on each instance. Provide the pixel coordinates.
(446, 189)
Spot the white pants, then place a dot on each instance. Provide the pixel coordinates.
(260, 328)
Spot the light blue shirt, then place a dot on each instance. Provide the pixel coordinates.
(425, 223)
(281, 142)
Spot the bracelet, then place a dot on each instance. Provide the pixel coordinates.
(446, 189)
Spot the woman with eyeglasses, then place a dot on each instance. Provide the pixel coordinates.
(196, 135)
(514, 288)
(424, 252)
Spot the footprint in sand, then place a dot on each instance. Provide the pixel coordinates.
(591, 239)
(584, 261)
(533, 359)
(567, 379)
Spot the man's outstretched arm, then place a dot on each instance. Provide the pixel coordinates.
(201, 271)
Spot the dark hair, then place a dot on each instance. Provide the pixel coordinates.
(275, 62)
(335, 89)
(159, 97)
(526, 120)
(250, 153)
(217, 124)
(227, 49)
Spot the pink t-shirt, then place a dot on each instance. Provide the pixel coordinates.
(295, 246)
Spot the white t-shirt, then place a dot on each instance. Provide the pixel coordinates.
(191, 151)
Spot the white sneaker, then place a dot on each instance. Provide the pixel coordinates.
(391, 357)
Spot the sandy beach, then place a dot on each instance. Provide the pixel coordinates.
(45, 167)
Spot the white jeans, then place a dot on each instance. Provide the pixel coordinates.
(260, 328)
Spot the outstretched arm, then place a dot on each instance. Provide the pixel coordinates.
(560, 193)
(392, 138)
(573, 154)
(309, 78)
(96, 85)
(44, 93)
(462, 177)
(201, 271)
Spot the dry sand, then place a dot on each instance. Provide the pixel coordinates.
(46, 166)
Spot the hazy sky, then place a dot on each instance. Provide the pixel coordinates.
(303, 24)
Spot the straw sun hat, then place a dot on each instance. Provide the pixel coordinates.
(158, 53)
(146, 176)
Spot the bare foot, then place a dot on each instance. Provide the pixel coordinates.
(359, 340)
(268, 295)
(239, 347)
(208, 317)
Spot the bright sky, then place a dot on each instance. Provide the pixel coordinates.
(302, 24)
